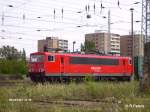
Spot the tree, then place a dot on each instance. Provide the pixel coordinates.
(88, 46)
(8, 52)
(82, 48)
(13, 61)
(24, 54)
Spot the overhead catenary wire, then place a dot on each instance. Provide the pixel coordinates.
(35, 28)
(103, 2)
(116, 2)
(58, 8)
(66, 10)
(96, 14)
(36, 11)
(24, 36)
(46, 6)
(42, 20)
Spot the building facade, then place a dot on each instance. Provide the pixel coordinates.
(115, 44)
(41, 44)
(63, 44)
(105, 44)
(126, 42)
(52, 44)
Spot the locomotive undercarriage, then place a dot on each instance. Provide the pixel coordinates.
(40, 77)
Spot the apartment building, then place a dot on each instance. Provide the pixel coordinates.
(105, 44)
(63, 44)
(52, 43)
(126, 42)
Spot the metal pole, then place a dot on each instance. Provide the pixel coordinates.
(109, 34)
(73, 45)
(132, 41)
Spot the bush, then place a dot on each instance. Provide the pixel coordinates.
(16, 67)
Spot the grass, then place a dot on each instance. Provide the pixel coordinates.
(113, 97)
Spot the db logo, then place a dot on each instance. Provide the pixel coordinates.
(96, 69)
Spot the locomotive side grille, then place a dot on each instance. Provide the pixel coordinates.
(93, 61)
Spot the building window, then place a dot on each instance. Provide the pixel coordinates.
(51, 58)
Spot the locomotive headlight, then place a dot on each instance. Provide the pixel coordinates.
(42, 70)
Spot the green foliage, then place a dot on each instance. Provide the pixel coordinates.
(24, 54)
(16, 67)
(88, 46)
(12, 61)
(17, 107)
(106, 97)
(8, 52)
(84, 91)
(82, 47)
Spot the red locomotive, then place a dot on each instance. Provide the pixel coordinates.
(56, 66)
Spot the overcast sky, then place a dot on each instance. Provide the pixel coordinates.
(23, 22)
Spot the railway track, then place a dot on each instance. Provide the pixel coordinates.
(11, 83)
(78, 103)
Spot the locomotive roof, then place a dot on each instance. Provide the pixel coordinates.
(80, 55)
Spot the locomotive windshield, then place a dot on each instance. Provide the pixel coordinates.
(37, 58)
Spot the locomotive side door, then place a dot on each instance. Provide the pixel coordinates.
(124, 66)
(62, 65)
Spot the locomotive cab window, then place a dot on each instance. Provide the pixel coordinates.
(51, 58)
(37, 58)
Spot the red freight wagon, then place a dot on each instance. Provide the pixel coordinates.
(46, 65)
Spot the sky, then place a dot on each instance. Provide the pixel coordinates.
(23, 22)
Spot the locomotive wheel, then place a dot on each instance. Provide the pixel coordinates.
(33, 79)
(38, 79)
